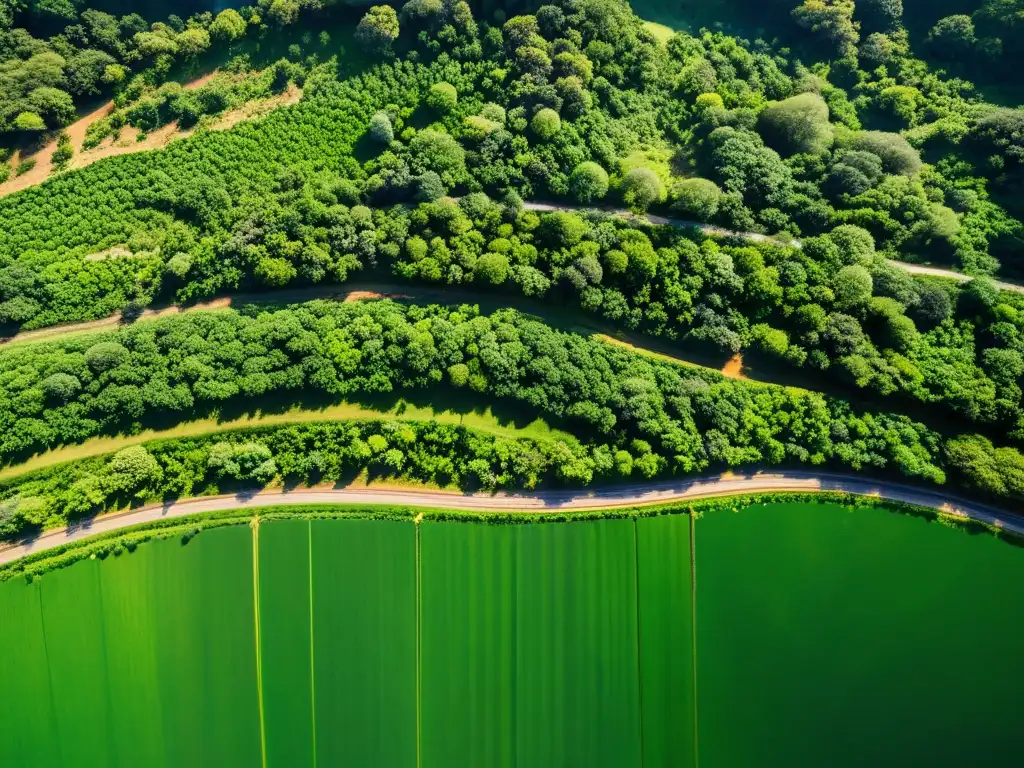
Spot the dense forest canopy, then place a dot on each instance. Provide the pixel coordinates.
(633, 414)
(833, 139)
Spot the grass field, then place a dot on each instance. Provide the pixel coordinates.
(818, 635)
(666, 641)
(849, 639)
(286, 662)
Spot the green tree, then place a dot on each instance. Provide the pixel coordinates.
(491, 268)
(895, 152)
(380, 129)
(29, 121)
(283, 13)
(105, 355)
(378, 29)
(437, 151)
(442, 97)
(696, 198)
(697, 77)
(952, 38)
(546, 124)
(884, 15)
(855, 244)
(53, 105)
(797, 125)
(831, 20)
(852, 287)
(588, 182)
(641, 188)
(193, 42)
(132, 470)
(60, 386)
(228, 26)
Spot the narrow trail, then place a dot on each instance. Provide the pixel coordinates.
(757, 237)
(540, 502)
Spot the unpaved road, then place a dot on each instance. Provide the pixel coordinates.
(917, 269)
(960, 277)
(541, 502)
(350, 290)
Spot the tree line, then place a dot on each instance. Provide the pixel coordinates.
(317, 453)
(671, 420)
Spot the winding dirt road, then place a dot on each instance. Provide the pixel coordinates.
(622, 213)
(540, 502)
(346, 290)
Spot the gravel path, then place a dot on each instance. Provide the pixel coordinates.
(917, 269)
(541, 502)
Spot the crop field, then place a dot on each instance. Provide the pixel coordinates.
(145, 659)
(853, 638)
(371, 642)
(529, 642)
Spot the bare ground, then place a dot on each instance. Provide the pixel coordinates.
(132, 140)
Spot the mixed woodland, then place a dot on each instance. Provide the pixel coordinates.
(800, 156)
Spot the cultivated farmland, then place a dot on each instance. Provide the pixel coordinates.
(443, 642)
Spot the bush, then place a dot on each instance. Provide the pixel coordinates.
(798, 125)
(546, 124)
(588, 182)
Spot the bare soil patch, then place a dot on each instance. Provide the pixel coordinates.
(733, 368)
(132, 140)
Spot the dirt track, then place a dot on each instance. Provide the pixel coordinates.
(540, 503)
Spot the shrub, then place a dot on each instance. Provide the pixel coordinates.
(546, 124)
(798, 125)
(588, 182)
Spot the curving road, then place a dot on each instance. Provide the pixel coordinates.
(540, 502)
(917, 269)
(347, 290)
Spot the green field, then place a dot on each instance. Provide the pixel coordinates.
(839, 638)
(818, 636)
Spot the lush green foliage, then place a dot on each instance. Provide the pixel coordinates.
(328, 452)
(535, 100)
(868, 156)
(668, 419)
(53, 53)
(832, 306)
